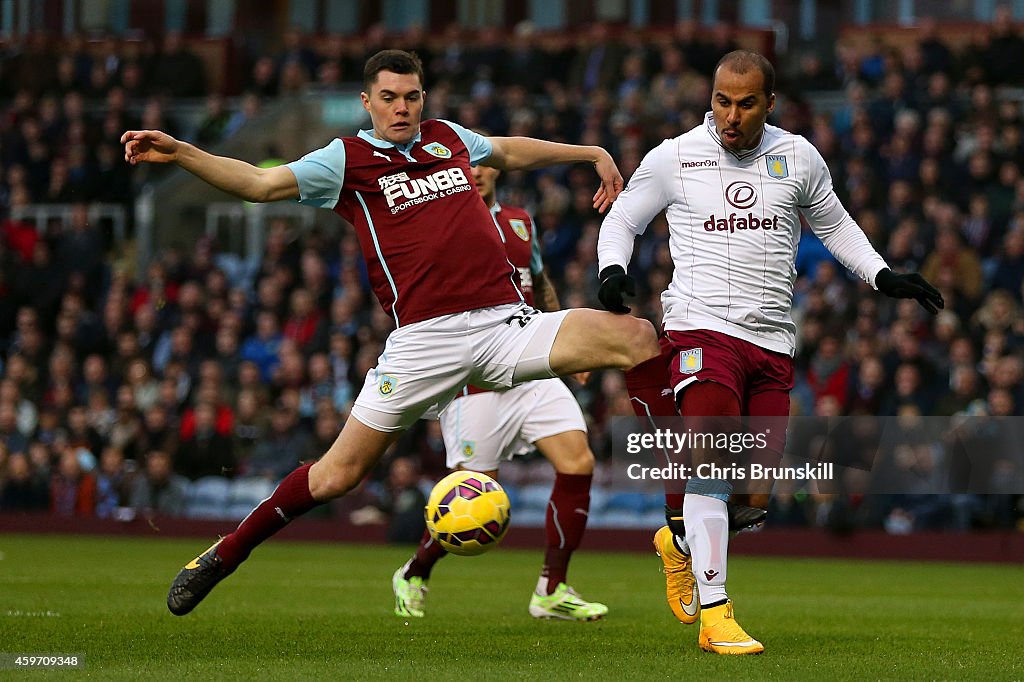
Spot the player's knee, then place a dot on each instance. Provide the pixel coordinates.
(328, 481)
(640, 341)
(578, 460)
(568, 452)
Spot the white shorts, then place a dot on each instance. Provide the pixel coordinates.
(429, 362)
(482, 429)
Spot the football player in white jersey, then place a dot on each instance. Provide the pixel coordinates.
(733, 190)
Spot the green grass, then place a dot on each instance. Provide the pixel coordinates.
(311, 611)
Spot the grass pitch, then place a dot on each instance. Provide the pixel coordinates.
(311, 611)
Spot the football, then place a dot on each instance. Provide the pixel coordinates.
(467, 513)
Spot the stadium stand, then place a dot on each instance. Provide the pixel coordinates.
(250, 350)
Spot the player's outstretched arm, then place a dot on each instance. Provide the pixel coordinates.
(233, 176)
(527, 153)
(645, 197)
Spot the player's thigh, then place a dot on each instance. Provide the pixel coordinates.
(354, 453)
(711, 412)
(769, 417)
(481, 430)
(501, 339)
(522, 344)
(595, 339)
(556, 427)
(421, 366)
(768, 412)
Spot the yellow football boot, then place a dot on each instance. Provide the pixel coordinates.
(721, 634)
(680, 585)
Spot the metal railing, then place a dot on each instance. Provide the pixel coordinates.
(175, 207)
(42, 215)
(246, 223)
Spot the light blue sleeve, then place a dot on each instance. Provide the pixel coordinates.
(479, 146)
(536, 261)
(321, 174)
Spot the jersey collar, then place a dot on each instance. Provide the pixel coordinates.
(495, 208)
(709, 120)
(404, 149)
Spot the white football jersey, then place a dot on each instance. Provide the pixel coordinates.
(734, 226)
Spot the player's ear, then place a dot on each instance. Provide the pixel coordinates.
(771, 103)
(365, 99)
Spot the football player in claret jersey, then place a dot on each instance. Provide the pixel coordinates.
(733, 190)
(481, 428)
(405, 186)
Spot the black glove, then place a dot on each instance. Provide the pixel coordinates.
(911, 285)
(614, 283)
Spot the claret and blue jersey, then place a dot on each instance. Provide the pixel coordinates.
(431, 246)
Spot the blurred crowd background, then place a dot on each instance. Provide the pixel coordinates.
(191, 384)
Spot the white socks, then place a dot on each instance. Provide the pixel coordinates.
(707, 534)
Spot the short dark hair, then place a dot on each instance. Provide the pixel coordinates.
(395, 61)
(742, 61)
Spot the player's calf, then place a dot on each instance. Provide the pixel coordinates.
(356, 450)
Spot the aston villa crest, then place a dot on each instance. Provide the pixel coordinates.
(691, 361)
(777, 167)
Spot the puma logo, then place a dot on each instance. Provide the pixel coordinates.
(383, 156)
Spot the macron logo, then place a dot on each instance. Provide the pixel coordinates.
(705, 163)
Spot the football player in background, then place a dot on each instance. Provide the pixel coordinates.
(481, 428)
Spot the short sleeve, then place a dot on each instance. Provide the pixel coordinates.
(479, 146)
(320, 175)
(536, 261)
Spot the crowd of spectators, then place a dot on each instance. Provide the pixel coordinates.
(119, 390)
